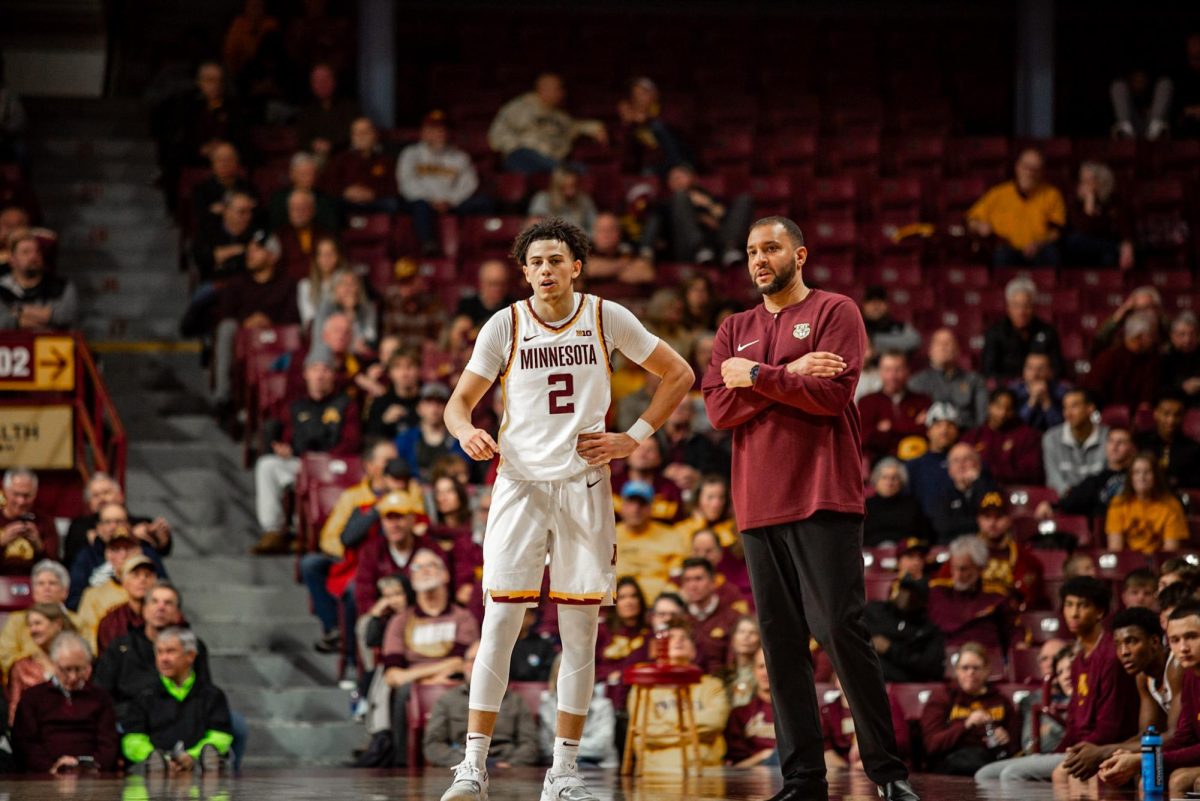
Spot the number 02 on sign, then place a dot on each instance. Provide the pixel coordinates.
(37, 364)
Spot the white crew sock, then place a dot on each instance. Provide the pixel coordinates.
(566, 751)
(477, 749)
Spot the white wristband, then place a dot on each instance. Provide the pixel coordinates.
(641, 430)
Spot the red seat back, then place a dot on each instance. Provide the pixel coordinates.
(16, 593)
(912, 697)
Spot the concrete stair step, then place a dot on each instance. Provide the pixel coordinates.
(141, 329)
(270, 671)
(251, 634)
(159, 240)
(313, 704)
(112, 214)
(284, 603)
(81, 258)
(132, 304)
(96, 170)
(263, 570)
(172, 286)
(130, 149)
(59, 193)
(329, 743)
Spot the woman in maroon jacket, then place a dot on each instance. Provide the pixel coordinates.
(623, 639)
(967, 724)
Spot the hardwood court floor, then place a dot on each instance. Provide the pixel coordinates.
(519, 784)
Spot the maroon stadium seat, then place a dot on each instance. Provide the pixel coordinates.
(1025, 499)
(421, 699)
(531, 694)
(1041, 626)
(1023, 664)
(367, 230)
(15, 593)
(834, 197)
(968, 276)
(912, 697)
(1116, 565)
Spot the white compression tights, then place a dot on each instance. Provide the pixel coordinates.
(576, 673)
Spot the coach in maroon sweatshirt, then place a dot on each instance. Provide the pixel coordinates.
(782, 377)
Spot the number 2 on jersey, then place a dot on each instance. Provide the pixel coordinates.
(564, 384)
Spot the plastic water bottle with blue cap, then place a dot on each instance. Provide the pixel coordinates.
(1152, 762)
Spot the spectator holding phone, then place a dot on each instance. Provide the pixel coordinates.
(66, 724)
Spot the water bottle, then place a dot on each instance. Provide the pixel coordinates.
(1152, 762)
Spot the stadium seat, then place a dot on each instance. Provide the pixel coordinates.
(986, 156)
(967, 276)
(1116, 565)
(1044, 278)
(1018, 690)
(1041, 626)
(833, 197)
(421, 699)
(364, 230)
(16, 593)
(1115, 416)
(488, 237)
(879, 587)
(1025, 499)
(920, 157)
(1052, 562)
(911, 697)
(832, 238)
(1103, 279)
(1191, 423)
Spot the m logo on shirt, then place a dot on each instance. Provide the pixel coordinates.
(802, 330)
(1081, 687)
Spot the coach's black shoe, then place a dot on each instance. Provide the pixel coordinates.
(898, 791)
(802, 791)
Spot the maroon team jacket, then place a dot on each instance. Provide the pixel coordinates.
(796, 439)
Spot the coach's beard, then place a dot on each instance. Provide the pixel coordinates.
(780, 281)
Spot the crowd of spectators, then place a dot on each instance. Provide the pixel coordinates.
(958, 436)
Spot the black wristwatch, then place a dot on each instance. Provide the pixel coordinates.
(754, 374)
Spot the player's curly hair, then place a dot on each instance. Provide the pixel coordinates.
(554, 229)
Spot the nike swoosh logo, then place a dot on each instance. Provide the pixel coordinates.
(526, 339)
(594, 483)
(741, 348)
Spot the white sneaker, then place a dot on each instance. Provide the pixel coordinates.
(470, 784)
(1156, 130)
(566, 786)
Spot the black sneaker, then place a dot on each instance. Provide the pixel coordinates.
(330, 642)
(210, 760)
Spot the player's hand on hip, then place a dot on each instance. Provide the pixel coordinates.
(821, 364)
(736, 372)
(601, 448)
(479, 445)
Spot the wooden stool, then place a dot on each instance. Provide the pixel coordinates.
(643, 678)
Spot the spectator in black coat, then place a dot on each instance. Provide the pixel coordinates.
(954, 513)
(891, 513)
(112, 519)
(31, 300)
(910, 647)
(1178, 454)
(533, 653)
(1180, 368)
(208, 196)
(1008, 342)
(82, 534)
(219, 250)
(178, 708)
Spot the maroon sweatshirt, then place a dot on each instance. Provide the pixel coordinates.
(796, 439)
(1013, 455)
(1104, 701)
(751, 728)
(943, 720)
(1183, 750)
(49, 725)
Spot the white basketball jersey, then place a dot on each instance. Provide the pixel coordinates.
(556, 386)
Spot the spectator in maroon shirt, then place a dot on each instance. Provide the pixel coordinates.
(363, 177)
(137, 582)
(1178, 454)
(732, 580)
(1011, 450)
(299, 236)
(1127, 373)
(750, 732)
(26, 536)
(67, 717)
(391, 552)
(262, 297)
(1181, 750)
(966, 724)
(964, 606)
(623, 639)
(1103, 708)
(711, 620)
(892, 413)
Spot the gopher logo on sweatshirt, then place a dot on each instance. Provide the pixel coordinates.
(802, 330)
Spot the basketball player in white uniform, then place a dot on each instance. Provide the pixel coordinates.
(552, 495)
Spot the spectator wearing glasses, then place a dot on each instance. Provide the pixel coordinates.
(1025, 216)
(49, 584)
(91, 566)
(26, 536)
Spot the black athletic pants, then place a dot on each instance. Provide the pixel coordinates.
(807, 578)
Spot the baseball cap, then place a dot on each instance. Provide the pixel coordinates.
(435, 117)
(638, 490)
(993, 503)
(435, 391)
(911, 545)
(397, 502)
(941, 412)
(398, 469)
(136, 561)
